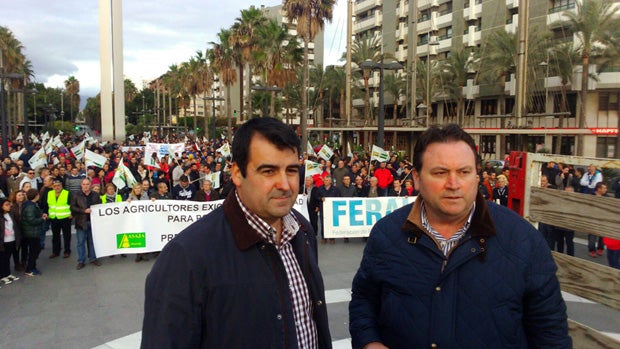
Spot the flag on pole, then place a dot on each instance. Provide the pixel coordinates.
(214, 178)
(224, 150)
(34, 138)
(123, 177)
(310, 149)
(45, 136)
(78, 150)
(15, 155)
(48, 148)
(57, 142)
(93, 159)
(379, 154)
(312, 168)
(326, 152)
(19, 137)
(349, 152)
(39, 159)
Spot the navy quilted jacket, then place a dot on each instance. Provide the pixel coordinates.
(496, 289)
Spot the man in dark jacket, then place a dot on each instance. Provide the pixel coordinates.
(452, 270)
(80, 209)
(246, 275)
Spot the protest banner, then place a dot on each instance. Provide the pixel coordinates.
(354, 217)
(78, 150)
(154, 152)
(147, 226)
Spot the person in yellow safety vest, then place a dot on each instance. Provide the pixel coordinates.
(110, 194)
(59, 213)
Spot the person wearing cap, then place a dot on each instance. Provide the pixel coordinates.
(59, 212)
(184, 190)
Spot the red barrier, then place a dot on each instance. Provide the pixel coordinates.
(516, 182)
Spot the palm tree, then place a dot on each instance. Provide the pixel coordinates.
(222, 58)
(563, 58)
(72, 86)
(454, 73)
(335, 81)
(394, 84)
(13, 61)
(242, 39)
(173, 84)
(591, 22)
(310, 16)
(279, 56)
(367, 48)
(130, 91)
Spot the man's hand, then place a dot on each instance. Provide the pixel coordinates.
(88, 210)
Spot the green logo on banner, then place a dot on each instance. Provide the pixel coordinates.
(131, 240)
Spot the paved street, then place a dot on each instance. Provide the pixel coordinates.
(101, 307)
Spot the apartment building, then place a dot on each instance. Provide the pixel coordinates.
(431, 30)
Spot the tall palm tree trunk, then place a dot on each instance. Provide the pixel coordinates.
(304, 95)
(229, 113)
(241, 93)
(584, 96)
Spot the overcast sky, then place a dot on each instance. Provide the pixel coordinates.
(61, 37)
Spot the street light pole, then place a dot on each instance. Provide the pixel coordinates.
(5, 140)
(368, 64)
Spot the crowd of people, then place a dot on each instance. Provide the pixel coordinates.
(59, 195)
(587, 180)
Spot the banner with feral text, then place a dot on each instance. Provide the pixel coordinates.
(147, 226)
(354, 217)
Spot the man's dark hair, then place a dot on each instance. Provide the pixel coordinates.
(598, 186)
(274, 130)
(437, 134)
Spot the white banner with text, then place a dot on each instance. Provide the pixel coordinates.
(147, 226)
(354, 217)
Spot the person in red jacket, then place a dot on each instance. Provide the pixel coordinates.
(384, 179)
(613, 252)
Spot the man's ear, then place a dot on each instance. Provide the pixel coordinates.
(235, 174)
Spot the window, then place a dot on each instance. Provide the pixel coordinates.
(607, 101)
(487, 144)
(605, 147)
(488, 107)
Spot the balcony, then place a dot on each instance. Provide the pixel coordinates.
(510, 4)
(512, 24)
(402, 11)
(365, 5)
(424, 4)
(557, 15)
(471, 13)
(368, 23)
(472, 36)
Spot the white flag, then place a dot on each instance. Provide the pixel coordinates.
(15, 155)
(45, 136)
(379, 154)
(57, 142)
(39, 159)
(224, 150)
(349, 152)
(312, 168)
(131, 137)
(214, 178)
(34, 138)
(78, 150)
(60, 133)
(123, 176)
(326, 152)
(48, 148)
(19, 137)
(94, 159)
(310, 149)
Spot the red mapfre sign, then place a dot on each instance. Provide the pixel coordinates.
(604, 131)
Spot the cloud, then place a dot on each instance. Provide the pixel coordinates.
(61, 38)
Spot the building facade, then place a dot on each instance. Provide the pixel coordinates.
(426, 32)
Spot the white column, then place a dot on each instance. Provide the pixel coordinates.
(117, 72)
(105, 56)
